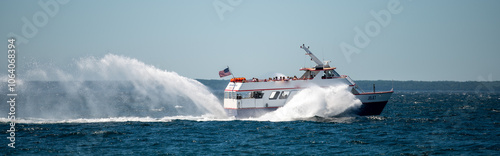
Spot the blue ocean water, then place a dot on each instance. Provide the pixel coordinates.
(156, 112)
(413, 123)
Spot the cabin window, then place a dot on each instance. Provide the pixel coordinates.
(329, 74)
(229, 95)
(257, 94)
(243, 95)
(274, 95)
(284, 94)
(354, 91)
(238, 96)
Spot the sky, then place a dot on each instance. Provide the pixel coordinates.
(424, 40)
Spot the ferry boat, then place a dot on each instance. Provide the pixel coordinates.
(253, 98)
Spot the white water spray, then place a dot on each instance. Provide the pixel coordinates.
(315, 101)
(113, 87)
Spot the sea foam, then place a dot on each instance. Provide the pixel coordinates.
(315, 102)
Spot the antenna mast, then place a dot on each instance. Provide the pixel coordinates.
(313, 57)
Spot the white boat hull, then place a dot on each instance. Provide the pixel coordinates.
(240, 99)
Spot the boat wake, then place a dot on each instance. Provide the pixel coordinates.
(112, 88)
(313, 103)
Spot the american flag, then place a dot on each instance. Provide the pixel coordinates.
(224, 72)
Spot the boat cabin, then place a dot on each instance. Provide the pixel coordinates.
(311, 73)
